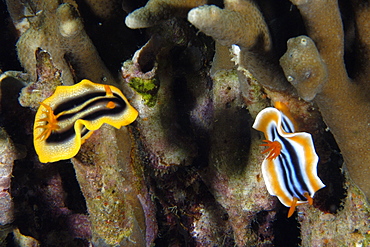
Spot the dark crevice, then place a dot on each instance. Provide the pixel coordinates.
(286, 230)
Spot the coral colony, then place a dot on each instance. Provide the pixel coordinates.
(198, 155)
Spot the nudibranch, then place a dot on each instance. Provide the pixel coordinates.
(290, 168)
(67, 118)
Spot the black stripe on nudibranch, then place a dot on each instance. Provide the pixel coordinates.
(288, 173)
(281, 162)
(61, 136)
(120, 104)
(68, 133)
(287, 125)
(72, 113)
(85, 113)
(72, 103)
(102, 113)
(290, 167)
(289, 154)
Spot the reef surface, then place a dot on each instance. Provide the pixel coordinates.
(187, 172)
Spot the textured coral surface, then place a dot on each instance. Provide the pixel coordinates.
(187, 172)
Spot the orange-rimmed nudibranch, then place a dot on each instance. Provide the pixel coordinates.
(67, 118)
(290, 168)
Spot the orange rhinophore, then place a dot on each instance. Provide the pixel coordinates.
(290, 168)
(68, 117)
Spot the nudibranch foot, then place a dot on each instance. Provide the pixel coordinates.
(273, 147)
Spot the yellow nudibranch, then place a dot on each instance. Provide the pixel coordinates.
(67, 118)
(290, 168)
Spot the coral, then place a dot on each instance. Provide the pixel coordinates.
(336, 233)
(23, 240)
(157, 10)
(113, 186)
(54, 200)
(58, 29)
(55, 49)
(251, 34)
(48, 78)
(187, 172)
(8, 154)
(256, 55)
(319, 74)
(304, 68)
(167, 147)
(237, 164)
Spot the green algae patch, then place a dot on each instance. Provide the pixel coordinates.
(147, 88)
(366, 241)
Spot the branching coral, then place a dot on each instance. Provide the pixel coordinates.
(188, 171)
(8, 154)
(337, 102)
(48, 78)
(58, 29)
(162, 138)
(319, 74)
(251, 32)
(158, 10)
(113, 187)
(54, 48)
(304, 67)
(242, 24)
(236, 165)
